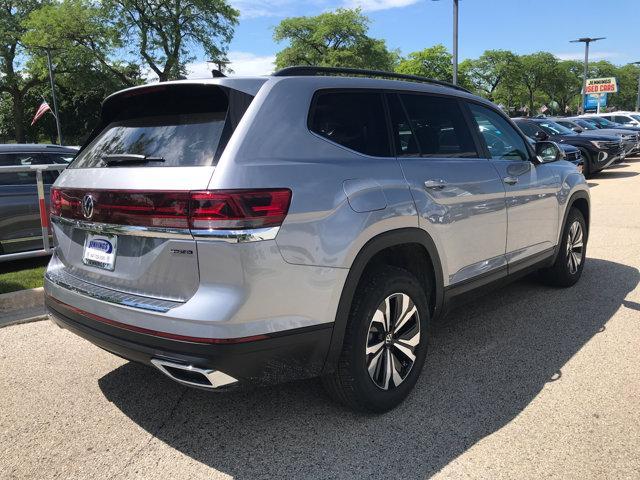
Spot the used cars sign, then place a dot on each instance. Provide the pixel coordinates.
(601, 85)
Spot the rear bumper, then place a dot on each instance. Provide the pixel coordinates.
(285, 356)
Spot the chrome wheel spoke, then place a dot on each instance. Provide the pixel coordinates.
(388, 369)
(397, 378)
(373, 349)
(407, 311)
(374, 363)
(406, 350)
(387, 314)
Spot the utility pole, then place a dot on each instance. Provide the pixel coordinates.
(638, 97)
(586, 41)
(455, 42)
(53, 95)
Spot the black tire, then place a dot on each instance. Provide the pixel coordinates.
(586, 166)
(562, 273)
(351, 384)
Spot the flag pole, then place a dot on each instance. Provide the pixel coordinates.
(53, 95)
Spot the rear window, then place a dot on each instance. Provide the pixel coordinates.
(171, 127)
(355, 120)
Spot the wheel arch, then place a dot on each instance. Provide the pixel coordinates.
(391, 248)
(580, 199)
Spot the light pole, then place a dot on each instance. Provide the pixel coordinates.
(53, 95)
(455, 41)
(586, 41)
(638, 97)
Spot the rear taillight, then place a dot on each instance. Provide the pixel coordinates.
(55, 203)
(202, 210)
(238, 209)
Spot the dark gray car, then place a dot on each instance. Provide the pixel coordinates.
(20, 229)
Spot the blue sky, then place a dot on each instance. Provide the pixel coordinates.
(517, 25)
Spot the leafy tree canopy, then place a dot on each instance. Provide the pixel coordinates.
(332, 39)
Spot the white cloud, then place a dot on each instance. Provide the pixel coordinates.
(373, 5)
(592, 55)
(269, 8)
(285, 8)
(242, 64)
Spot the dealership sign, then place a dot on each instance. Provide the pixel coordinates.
(601, 85)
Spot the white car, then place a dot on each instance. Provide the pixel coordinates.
(628, 119)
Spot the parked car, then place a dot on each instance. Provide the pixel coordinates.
(630, 140)
(628, 119)
(603, 123)
(598, 151)
(302, 224)
(20, 229)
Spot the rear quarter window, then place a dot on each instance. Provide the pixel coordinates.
(353, 119)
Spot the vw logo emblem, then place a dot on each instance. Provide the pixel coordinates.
(87, 206)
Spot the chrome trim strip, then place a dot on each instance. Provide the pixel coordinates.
(237, 236)
(67, 281)
(131, 230)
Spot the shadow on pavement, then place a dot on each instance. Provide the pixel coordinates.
(615, 174)
(484, 367)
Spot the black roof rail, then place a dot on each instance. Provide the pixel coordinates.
(317, 71)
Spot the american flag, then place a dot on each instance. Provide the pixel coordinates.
(42, 109)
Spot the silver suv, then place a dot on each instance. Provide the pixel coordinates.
(256, 230)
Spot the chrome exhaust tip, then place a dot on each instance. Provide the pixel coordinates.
(193, 376)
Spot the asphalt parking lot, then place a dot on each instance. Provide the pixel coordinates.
(529, 382)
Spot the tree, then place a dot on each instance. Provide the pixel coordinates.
(628, 77)
(81, 30)
(332, 39)
(433, 62)
(536, 71)
(565, 84)
(489, 71)
(165, 32)
(15, 83)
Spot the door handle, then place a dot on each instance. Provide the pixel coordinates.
(438, 184)
(510, 180)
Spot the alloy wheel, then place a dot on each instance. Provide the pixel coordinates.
(392, 340)
(575, 247)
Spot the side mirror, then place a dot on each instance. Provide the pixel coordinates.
(577, 129)
(548, 152)
(540, 135)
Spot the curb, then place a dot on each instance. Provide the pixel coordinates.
(22, 306)
(21, 299)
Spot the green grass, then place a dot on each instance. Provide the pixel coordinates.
(22, 274)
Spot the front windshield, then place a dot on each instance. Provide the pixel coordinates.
(585, 124)
(635, 117)
(602, 122)
(553, 128)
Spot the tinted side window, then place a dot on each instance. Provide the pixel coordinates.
(527, 128)
(355, 120)
(502, 140)
(439, 126)
(403, 137)
(16, 160)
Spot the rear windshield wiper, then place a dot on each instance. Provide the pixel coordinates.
(121, 158)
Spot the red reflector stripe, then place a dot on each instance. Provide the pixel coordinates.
(156, 333)
(44, 215)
